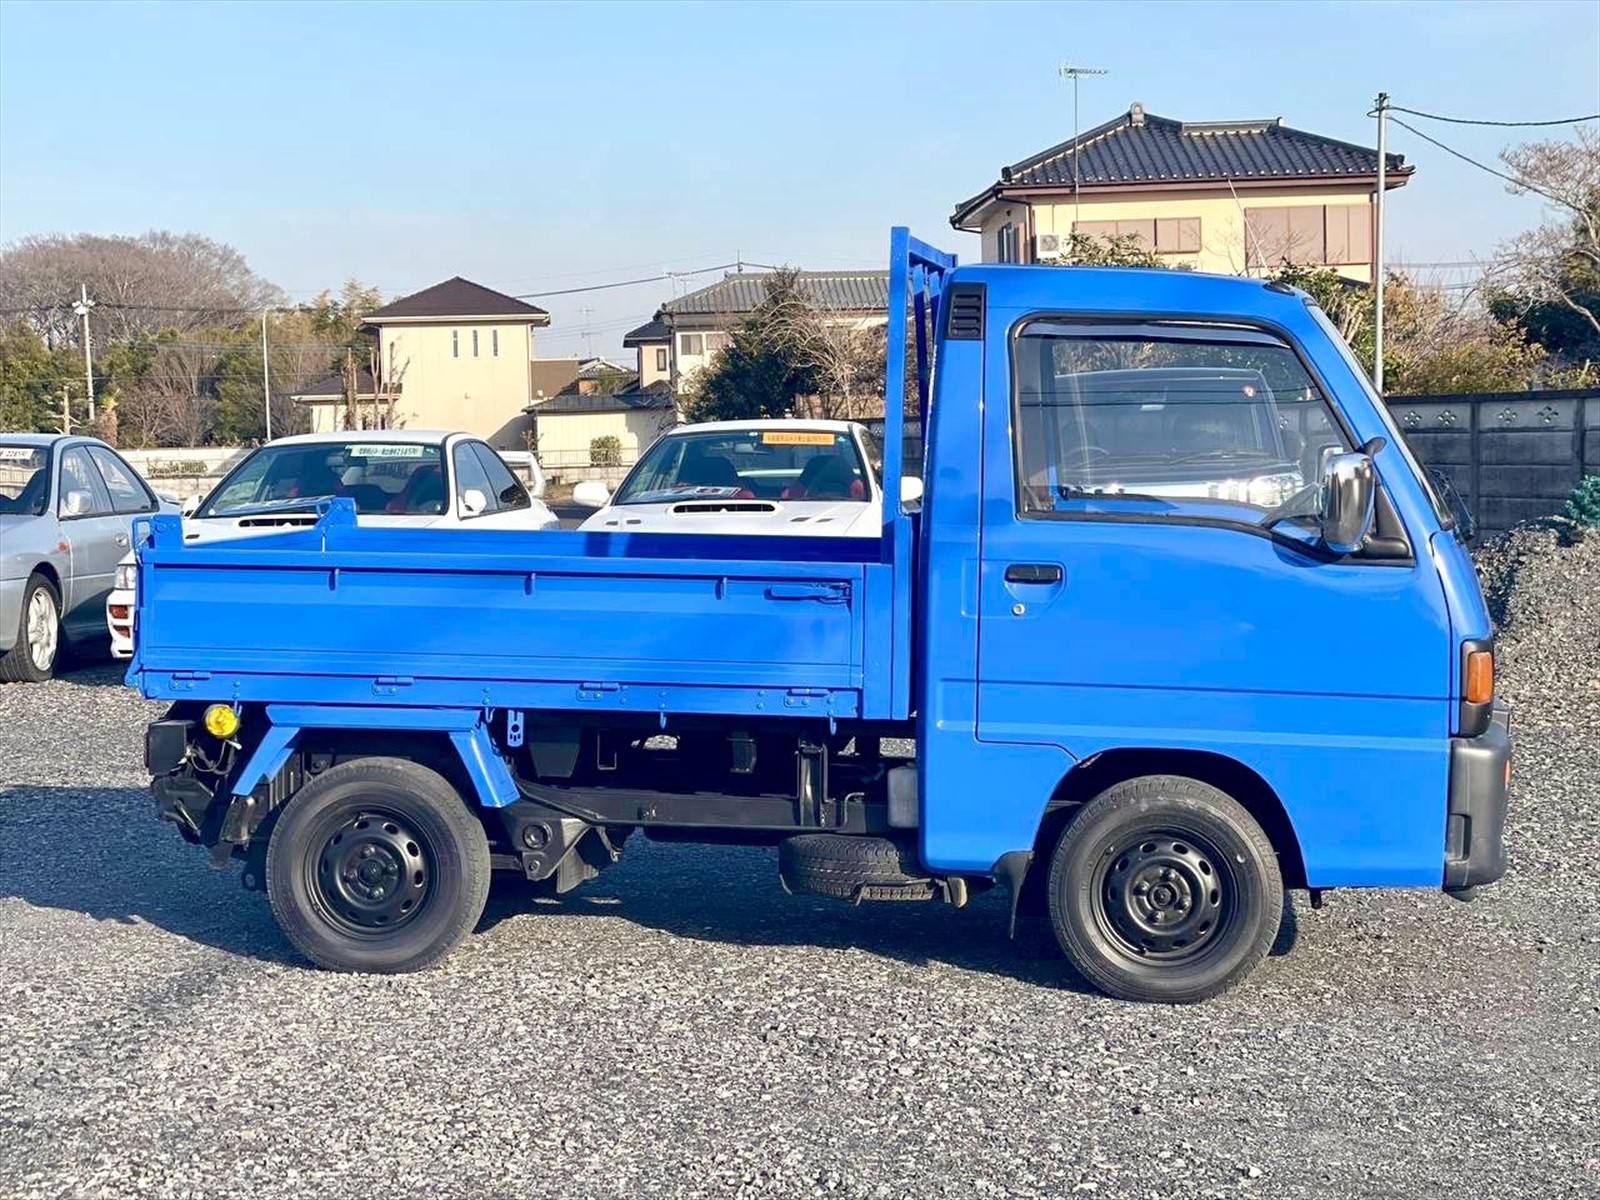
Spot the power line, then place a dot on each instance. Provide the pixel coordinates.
(601, 287)
(1521, 183)
(1416, 112)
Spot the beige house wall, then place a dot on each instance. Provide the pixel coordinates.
(446, 385)
(1221, 216)
(649, 372)
(564, 438)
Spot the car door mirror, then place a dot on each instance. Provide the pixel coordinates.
(910, 491)
(473, 502)
(76, 503)
(1349, 496)
(591, 493)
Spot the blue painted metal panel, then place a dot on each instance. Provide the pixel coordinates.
(268, 757)
(485, 767)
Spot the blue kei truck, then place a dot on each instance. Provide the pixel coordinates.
(1175, 623)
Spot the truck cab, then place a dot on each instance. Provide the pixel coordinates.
(1177, 624)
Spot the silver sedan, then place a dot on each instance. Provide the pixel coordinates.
(67, 507)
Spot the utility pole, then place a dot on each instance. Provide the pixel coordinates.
(82, 308)
(1074, 74)
(66, 411)
(1377, 244)
(266, 374)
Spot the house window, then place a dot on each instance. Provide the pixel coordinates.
(1143, 232)
(1178, 235)
(1279, 235)
(494, 342)
(692, 344)
(474, 343)
(1008, 244)
(715, 342)
(455, 343)
(1349, 229)
(661, 358)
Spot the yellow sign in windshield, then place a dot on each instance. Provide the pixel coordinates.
(795, 437)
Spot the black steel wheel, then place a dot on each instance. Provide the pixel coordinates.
(377, 865)
(1164, 889)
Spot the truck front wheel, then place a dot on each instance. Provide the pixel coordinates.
(377, 865)
(1164, 889)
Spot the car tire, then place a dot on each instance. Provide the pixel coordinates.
(377, 866)
(1164, 889)
(39, 635)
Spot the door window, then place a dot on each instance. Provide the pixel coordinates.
(79, 477)
(470, 477)
(1155, 422)
(504, 490)
(128, 494)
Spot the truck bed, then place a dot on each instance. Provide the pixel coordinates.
(337, 613)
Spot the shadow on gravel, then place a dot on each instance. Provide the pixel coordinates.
(101, 852)
(92, 669)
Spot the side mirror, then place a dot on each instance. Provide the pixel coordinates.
(473, 502)
(591, 493)
(1349, 494)
(76, 503)
(190, 505)
(910, 491)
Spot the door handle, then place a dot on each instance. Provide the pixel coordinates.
(1033, 573)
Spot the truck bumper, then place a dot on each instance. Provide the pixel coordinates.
(1480, 778)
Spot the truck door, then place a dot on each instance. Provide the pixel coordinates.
(1150, 578)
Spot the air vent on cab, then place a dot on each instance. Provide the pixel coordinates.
(964, 312)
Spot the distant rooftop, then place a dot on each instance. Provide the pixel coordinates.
(651, 331)
(833, 291)
(1141, 149)
(459, 297)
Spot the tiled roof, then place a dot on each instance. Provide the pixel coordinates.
(835, 291)
(637, 400)
(458, 297)
(1140, 148)
(655, 330)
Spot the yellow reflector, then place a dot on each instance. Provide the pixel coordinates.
(221, 721)
(1480, 677)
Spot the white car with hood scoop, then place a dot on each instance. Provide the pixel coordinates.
(797, 477)
(396, 477)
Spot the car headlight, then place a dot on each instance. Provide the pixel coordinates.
(126, 577)
(1269, 491)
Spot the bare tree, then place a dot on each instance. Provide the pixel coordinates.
(171, 403)
(141, 285)
(1559, 261)
(842, 352)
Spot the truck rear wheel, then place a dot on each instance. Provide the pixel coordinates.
(1164, 889)
(377, 865)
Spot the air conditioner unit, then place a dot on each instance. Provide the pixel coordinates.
(1047, 245)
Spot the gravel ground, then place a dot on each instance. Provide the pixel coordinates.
(683, 1028)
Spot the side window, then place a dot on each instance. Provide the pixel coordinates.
(469, 477)
(661, 358)
(83, 492)
(504, 490)
(128, 493)
(1159, 422)
(691, 343)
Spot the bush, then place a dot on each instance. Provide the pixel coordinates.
(605, 451)
(1583, 506)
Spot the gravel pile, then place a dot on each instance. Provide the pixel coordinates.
(681, 1027)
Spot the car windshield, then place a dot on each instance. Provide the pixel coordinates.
(24, 479)
(382, 477)
(749, 464)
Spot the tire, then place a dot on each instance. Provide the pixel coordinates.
(847, 867)
(378, 866)
(1164, 889)
(39, 635)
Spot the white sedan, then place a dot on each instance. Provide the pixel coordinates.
(816, 478)
(396, 477)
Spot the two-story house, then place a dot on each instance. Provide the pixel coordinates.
(456, 355)
(687, 332)
(1231, 197)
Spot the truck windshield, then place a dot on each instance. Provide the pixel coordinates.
(24, 479)
(393, 477)
(771, 463)
(1168, 421)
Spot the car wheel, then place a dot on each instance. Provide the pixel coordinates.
(33, 658)
(377, 865)
(1164, 889)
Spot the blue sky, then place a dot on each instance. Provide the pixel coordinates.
(540, 147)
